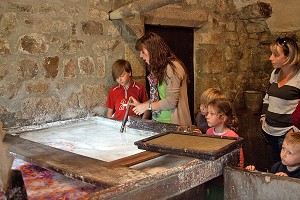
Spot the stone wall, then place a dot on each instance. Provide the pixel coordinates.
(55, 59)
(232, 51)
(56, 56)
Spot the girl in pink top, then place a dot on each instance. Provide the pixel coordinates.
(222, 121)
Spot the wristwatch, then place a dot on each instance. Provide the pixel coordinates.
(150, 106)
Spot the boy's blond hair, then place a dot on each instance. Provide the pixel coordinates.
(293, 138)
(210, 94)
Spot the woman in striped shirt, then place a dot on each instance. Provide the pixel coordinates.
(283, 95)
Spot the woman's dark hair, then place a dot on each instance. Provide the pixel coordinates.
(160, 55)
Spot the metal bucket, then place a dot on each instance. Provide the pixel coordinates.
(253, 100)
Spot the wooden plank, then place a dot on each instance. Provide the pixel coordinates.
(72, 165)
(135, 159)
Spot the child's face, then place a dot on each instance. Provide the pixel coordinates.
(124, 79)
(213, 118)
(290, 154)
(203, 109)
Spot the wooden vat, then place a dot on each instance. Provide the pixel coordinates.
(132, 174)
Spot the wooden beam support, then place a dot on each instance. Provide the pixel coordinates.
(138, 7)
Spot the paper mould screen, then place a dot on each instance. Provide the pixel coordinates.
(191, 142)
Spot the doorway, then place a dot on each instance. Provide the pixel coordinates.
(181, 42)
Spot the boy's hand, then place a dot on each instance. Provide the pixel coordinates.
(281, 174)
(250, 168)
(196, 130)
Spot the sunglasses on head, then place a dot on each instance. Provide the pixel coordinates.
(283, 43)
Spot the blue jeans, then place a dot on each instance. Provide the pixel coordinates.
(276, 144)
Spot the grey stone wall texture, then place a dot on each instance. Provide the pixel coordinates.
(56, 56)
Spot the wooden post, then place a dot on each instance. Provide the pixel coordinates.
(138, 7)
(5, 163)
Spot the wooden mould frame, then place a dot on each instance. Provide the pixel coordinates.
(195, 153)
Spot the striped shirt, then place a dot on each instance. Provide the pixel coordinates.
(279, 104)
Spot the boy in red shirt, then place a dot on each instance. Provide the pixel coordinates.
(119, 94)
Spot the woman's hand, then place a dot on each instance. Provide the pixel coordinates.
(133, 102)
(139, 108)
(262, 119)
